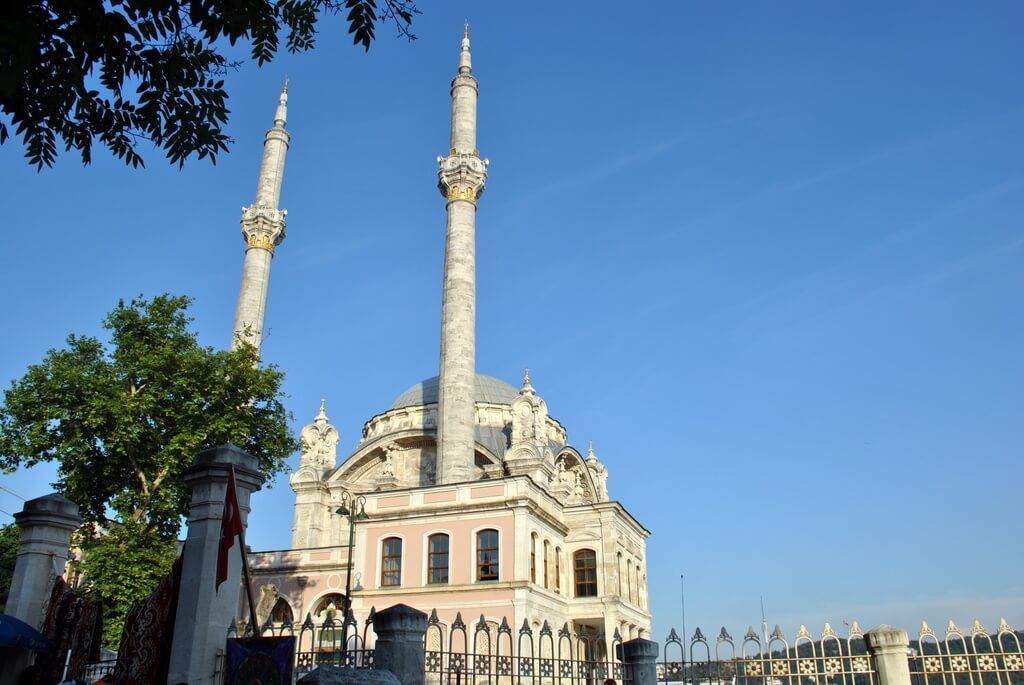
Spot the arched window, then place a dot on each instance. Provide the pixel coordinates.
(619, 571)
(391, 562)
(547, 550)
(629, 581)
(558, 569)
(329, 607)
(437, 559)
(282, 612)
(585, 570)
(636, 583)
(533, 557)
(487, 555)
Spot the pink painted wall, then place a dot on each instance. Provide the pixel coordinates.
(461, 546)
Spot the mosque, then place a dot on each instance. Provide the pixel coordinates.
(465, 495)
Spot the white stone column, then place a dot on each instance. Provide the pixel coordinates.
(888, 646)
(46, 525)
(252, 297)
(456, 408)
(263, 229)
(462, 176)
(204, 613)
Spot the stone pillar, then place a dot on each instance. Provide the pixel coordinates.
(461, 178)
(204, 613)
(400, 632)
(46, 525)
(639, 657)
(888, 646)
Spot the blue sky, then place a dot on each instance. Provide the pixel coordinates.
(765, 255)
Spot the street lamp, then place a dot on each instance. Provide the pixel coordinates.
(352, 507)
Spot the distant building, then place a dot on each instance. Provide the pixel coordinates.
(476, 502)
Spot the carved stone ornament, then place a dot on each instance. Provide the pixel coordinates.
(529, 416)
(572, 480)
(319, 442)
(388, 467)
(268, 598)
(263, 226)
(462, 176)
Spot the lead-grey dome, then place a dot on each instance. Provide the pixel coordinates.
(485, 389)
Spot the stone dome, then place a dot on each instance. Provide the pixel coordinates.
(485, 389)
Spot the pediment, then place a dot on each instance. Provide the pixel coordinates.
(582, 536)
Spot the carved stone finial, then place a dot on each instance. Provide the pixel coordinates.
(527, 388)
(590, 450)
(465, 29)
(319, 441)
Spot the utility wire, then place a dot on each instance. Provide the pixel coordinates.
(12, 492)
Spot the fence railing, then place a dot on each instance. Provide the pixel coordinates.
(495, 653)
(98, 669)
(974, 657)
(492, 653)
(327, 643)
(828, 658)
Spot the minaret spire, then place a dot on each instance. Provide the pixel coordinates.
(462, 175)
(263, 227)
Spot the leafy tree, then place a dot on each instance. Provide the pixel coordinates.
(124, 71)
(10, 536)
(124, 421)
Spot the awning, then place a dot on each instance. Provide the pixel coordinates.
(16, 633)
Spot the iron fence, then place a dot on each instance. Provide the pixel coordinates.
(490, 654)
(827, 660)
(98, 669)
(328, 643)
(974, 657)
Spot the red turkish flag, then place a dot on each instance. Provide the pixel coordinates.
(230, 528)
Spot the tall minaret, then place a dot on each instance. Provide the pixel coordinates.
(462, 175)
(263, 230)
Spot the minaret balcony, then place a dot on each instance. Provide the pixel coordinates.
(462, 176)
(263, 226)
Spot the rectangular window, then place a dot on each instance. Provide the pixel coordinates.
(585, 569)
(391, 562)
(437, 559)
(487, 555)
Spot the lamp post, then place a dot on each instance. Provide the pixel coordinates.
(352, 507)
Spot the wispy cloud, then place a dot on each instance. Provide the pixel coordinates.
(609, 167)
(835, 281)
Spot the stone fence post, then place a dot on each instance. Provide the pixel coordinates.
(888, 646)
(399, 648)
(639, 657)
(204, 613)
(46, 525)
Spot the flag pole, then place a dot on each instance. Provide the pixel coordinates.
(245, 572)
